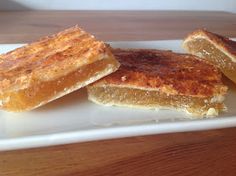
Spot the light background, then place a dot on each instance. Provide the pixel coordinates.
(221, 5)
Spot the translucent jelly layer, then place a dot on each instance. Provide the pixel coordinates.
(203, 48)
(121, 96)
(42, 92)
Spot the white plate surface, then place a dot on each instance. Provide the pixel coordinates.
(74, 119)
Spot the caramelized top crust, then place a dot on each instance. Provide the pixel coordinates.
(49, 58)
(168, 72)
(223, 43)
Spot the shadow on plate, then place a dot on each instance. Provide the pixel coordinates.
(230, 98)
(76, 97)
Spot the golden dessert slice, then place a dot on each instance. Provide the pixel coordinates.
(40, 72)
(161, 79)
(218, 50)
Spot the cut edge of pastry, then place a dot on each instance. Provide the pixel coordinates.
(211, 112)
(215, 49)
(111, 66)
(204, 34)
(193, 113)
(219, 90)
(77, 86)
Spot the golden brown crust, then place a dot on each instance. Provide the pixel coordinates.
(49, 58)
(223, 43)
(166, 71)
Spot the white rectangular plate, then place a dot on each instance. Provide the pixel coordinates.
(73, 118)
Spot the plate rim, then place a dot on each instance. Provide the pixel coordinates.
(43, 140)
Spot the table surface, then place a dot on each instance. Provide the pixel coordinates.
(210, 152)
